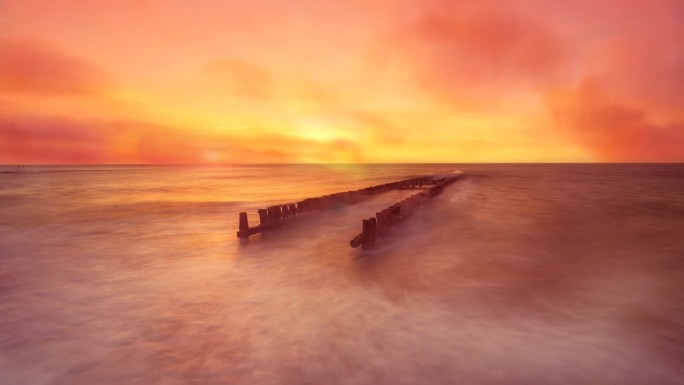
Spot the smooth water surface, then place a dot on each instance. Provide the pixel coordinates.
(516, 274)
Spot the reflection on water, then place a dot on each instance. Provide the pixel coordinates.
(516, 274)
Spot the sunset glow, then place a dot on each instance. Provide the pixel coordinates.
(265, 81)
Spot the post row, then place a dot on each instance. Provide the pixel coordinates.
(378, 226)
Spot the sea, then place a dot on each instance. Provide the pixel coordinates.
(516, 274)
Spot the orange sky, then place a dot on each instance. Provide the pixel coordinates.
(247, 81)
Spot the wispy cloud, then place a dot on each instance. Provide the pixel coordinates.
(41, 138)
(38, 68)
(388, 80)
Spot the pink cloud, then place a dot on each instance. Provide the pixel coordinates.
(54, 139)
(477, 55)
(38, 68)
(240, 78)
(614, 131)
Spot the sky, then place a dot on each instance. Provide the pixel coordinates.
(279, 81)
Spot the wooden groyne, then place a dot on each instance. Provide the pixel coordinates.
(275, 216)
(378, 226)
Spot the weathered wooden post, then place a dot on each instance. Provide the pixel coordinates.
(243, 230)
(357, 241)
(369, 233)
(381, 222)
(365, 232)
(263, 216)
(244, 224)
(373, 232)
(394, 214)
(274, 214)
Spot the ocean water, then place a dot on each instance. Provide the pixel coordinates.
(515, 274)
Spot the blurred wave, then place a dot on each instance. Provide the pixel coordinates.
(516, 274)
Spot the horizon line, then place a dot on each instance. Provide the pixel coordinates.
(14, 165)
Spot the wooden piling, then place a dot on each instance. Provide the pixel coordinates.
(244, 226)
(263, 216)
(380, 223)
(365, 232)
(356, 241)
(274, 214)
(373, 232)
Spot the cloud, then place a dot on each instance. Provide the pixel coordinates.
(49, 140)
(626, 104)
(37, 68)
(614, 131)
(240, 78)
(476, 56)
(531, 59)
(54, 139)
(381, 129)
(385, 80)
(645, 65)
